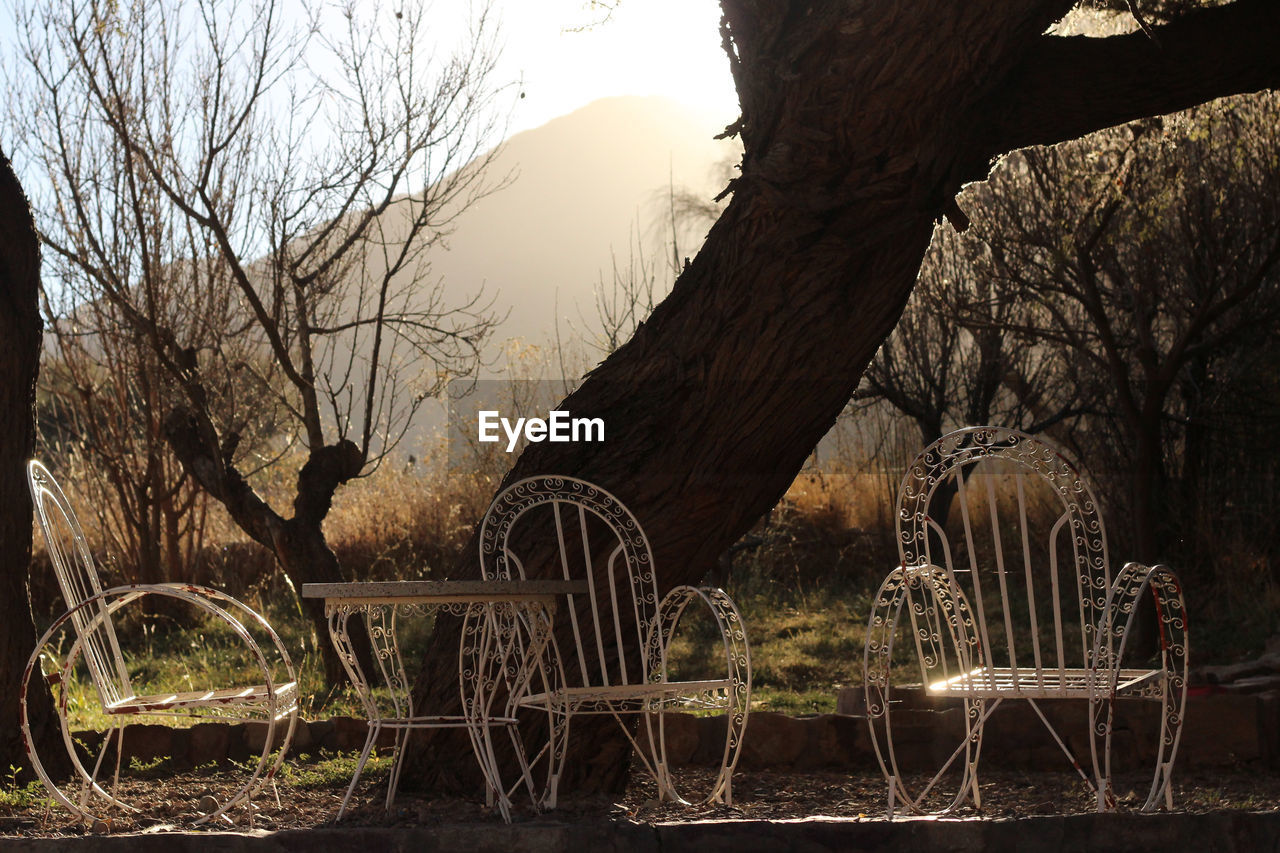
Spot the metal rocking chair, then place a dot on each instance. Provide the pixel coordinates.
(95, 656)
(622, 632)
(1014, 601)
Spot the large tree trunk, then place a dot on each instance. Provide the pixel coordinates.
(20, 331)
(860, 122)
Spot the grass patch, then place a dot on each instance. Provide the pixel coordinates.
(328, 770)
(795, 702)
(16, 796)
(800, 655)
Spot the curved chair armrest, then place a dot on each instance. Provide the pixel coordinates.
(1117, 621)
(1167, 683)
(115, 598)
(941, 606)
(736, 699)
(728, 619)
(254, 616)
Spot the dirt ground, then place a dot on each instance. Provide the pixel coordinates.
(171, 802)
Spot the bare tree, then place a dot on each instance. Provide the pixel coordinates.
(636, 286)
(1149, 254)
(628, 297)
(103, 399)
(956, 359)
(256, 193)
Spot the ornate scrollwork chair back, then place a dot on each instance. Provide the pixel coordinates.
(587, 528)
(615, 639)
(77, 576)
(1005, 590)
(1022, 545)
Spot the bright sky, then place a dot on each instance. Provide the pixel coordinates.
(647, 47)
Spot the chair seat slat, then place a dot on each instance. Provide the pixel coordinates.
(1005, 682)
(286, 697)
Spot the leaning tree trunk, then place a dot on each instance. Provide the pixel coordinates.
(20, 331)
(861, 119)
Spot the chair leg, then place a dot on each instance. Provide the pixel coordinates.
(558, 746)
(393, 781)
(283, 753)
(654, 759)
(369, 739)
(657, 764)
(89, 782)
(115, 779)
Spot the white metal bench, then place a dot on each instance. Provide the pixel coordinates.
(1009, 594)
(94, 657)
(622, 632)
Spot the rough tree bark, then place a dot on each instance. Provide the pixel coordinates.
(20, 331)
(861, 120)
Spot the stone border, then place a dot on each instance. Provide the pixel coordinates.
(1121, 833)
(1221, 730)
(205, 743)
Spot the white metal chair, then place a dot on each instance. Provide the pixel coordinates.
(1009, 595)
(622, 632)
(95, 656)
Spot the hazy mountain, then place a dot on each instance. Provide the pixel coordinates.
(583, 184)
(581, 187)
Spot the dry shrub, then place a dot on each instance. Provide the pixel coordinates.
(406, 523)
(829, 534)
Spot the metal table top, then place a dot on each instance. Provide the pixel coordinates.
(442, 592)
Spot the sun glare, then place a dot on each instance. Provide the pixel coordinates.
(566, 56)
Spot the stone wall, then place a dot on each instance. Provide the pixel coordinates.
(205, 743)
(1220, 730)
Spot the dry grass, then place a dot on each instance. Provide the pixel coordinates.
(407, 523)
